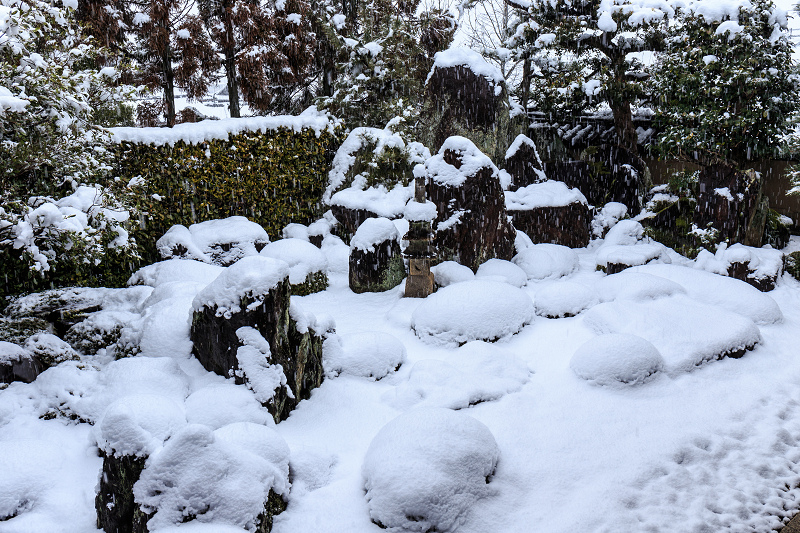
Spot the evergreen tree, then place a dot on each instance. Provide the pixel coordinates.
(582, 54)
(172, 50)
(389, 51)
(727, 86)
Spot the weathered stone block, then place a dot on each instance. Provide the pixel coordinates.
(375, 264)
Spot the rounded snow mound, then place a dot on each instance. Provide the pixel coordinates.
(629, 285)
(505, 271)
(221, 404)
(138, 424)
(370, 354)
(173, 270)
(426, 468)
(218, 476)
(302, 257)
(373, 231)
(470, 311)
(449, 272)
(564, 299)
(547, 261)
(615, 359)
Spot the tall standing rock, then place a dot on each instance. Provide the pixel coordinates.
(523, 164)
(466, 96)
(472, 224)
(255, 292)
(551, 212)
(375, 261)
(731, 202)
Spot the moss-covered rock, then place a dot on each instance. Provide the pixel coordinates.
(117, 512)
(17, 330)
(792, 265)
(315, 282)
(377, 268)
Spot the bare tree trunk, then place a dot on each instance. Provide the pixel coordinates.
(526, 89)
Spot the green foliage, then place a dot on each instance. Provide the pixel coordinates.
(726, 97)
(271, 178)
(793, 265)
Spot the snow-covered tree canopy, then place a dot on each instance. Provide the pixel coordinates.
(727, 86)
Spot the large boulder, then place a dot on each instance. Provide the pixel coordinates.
(376, 264)
(472, 224)
(17, 364)
(307, 264)
(466, 96)
(551, 212)
(523, 164)
(254, 293)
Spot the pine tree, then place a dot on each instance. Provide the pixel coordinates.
(727, 87)
(581, 54)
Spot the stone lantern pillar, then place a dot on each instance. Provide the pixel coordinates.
(419, 212)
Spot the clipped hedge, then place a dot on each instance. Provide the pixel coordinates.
(273, 178)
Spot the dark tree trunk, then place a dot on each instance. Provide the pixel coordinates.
(229, 49)
(623, 125)
(526, 89)
(169, 86)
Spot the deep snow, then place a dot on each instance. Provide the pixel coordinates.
(714, 447)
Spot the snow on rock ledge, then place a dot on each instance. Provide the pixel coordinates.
(616, 359)
(219, 242)
(472, 310)
(138, 425)
(426, 468)
(209, 130)
(466, 57)
(251, 278)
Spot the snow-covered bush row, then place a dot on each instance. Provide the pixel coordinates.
(472, 310)
(615, 359)
(547, 261)
(425, 469)
(218, 242)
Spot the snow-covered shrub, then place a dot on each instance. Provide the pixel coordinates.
(218, 242)
(547, 261)
(502, 270)
(307, 264)
(609, 215)
(449, 272)
(478, 372)
(49, 350)
(472, 310)
(616, 359)
(370, 354)
(138, 425)
(426, 468)
(560, 299)
(629, 285)
(227, 475)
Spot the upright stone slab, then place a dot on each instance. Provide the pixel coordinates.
(472, 224)
(376, 264)
(466, 96)
(523, 164)
(551, 212)
(255, 292)
(729, 200)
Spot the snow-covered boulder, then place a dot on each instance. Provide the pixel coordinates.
(375, 263)
(426, 468)
(234, 475)
(472, 310)
(522, 162)
(547, 261)
(370, 354)
(466, 95)
(551, 212)
(625, 246)
(630, 285)
(616, 359)
(221, 404)
(17, 363)
(307, 264)
(759, 267)
(471, 225)
(729, 293)
(219, 242)
(501, 270)
(131, 429)
(50, 350)
(687, 333)
(559, 299)
(243, 327)
(607, 218)
(449, 272)
(175, 270)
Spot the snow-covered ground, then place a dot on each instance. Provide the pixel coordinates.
(675, 443)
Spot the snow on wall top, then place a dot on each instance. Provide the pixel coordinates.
(209, 130)
(465, 57)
